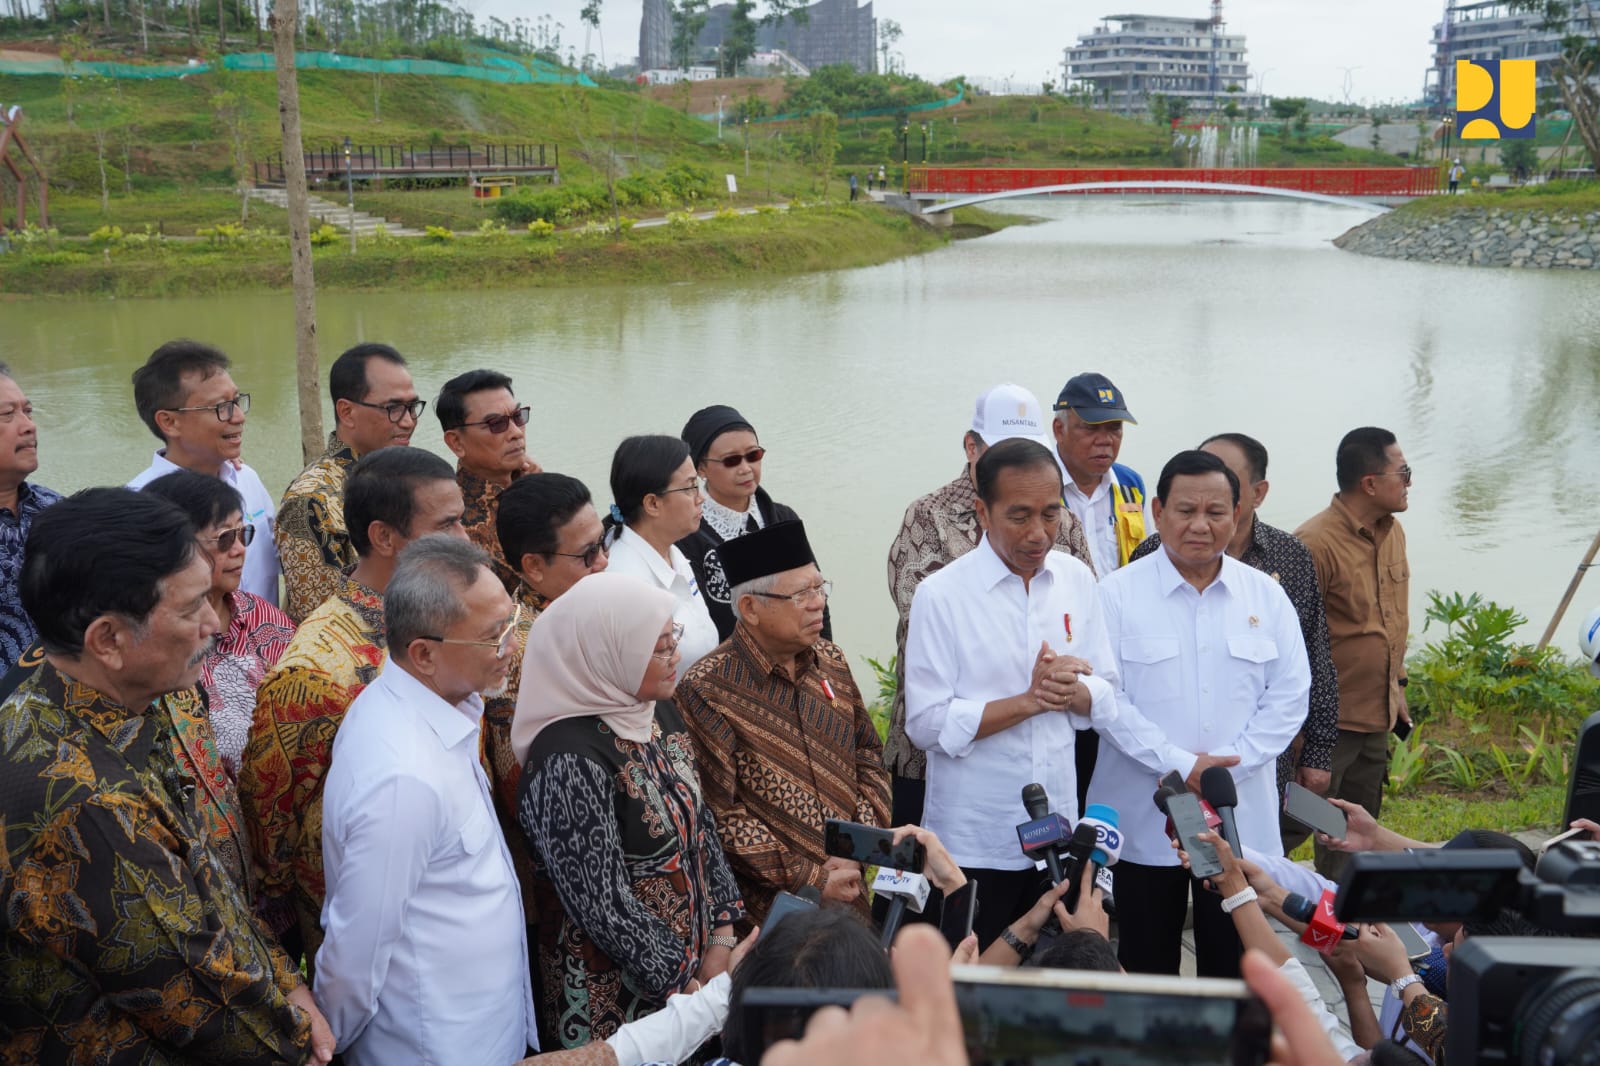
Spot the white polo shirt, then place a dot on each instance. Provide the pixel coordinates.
(1223, 671)
(974, 634)
(261, 568)
(1097, 512)
(632, 554)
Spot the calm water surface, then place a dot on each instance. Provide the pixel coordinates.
(1210, 315)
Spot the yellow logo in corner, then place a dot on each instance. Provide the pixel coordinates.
(1107, 396)
(1495, 99)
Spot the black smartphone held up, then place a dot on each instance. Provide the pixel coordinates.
(1314, 812)
(1190, 821)
(873, 846)
(1173, 780)
(1019, 1017)
(1431, 885)
(960, 909)
(1402, 729)
(784, 904)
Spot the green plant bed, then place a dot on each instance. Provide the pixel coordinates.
(1568, 196)
(175, 211)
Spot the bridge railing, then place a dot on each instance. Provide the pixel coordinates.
(1330, 181)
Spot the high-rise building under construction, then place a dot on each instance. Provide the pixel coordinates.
(1129, 59)
(832, 31)
(1493, 29)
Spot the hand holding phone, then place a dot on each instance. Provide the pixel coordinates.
(871, 846)
(1314, 812)
(1189, 821)
(959, 911)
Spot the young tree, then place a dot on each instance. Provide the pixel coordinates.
(1519, 157)
(889, 34)
(688, 19)
(822, 134)
(740, 43)
(1577, 70)
(591, 18)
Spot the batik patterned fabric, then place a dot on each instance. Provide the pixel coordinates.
(334, 655)
(482, 504)
(938, 529)
(234, 668)
(314, 547)
(16, 628)
(125, 941)
(194, 747)
(779, 757)
(630, 877)
(1423, 1020)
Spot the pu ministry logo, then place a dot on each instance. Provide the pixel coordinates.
(1495, 99)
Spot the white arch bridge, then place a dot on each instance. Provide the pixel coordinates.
(936, 202)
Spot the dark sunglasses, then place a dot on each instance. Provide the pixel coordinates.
(589, 555)
(225, 538)
(753, 456)
(501, 423)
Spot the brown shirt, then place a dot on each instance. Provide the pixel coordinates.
(481, 501)
(938, 529)
(778, 758)
(1366, 588)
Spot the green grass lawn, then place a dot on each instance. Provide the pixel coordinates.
(1569, 196)
(174, 212)
(1439, 814)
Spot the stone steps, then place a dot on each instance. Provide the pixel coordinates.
(333, 214)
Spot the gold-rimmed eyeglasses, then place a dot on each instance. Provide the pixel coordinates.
(502, 644)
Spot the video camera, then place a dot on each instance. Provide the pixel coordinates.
(1512, 999)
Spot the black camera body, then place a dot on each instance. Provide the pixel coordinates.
(1524, 999)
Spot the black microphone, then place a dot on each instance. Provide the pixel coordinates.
(1037, 803)
(1079, 850)
(1216, 785)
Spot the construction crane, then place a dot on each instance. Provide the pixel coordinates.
(1216, 48)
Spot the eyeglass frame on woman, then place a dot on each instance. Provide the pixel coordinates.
(502, 645)
(519, 417)
(590, 554)
(397, 409)
(824, 588)
(244, 531)
(241, 401)
(737, 459)
(1404, 474)
(696, 487)
(676, 638)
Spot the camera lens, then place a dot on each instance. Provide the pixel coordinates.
(1562, 1026)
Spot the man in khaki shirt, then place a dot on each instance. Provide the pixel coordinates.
(1359, 550)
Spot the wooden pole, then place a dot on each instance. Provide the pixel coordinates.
(285, 24)
(1572, 590)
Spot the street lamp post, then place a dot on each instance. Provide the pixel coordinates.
(350, 190)
(924, 143)
(905, 156)
(747, 146)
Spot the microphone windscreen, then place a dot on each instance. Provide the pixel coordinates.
(1035, 800)
(1298, 907)
(1164, 793)
(1083, 838)
(1216, 785)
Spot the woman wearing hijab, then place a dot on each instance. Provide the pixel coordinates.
(635, 897)
(726, 452)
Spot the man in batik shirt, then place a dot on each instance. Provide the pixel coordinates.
(483, 428)
(375, 406)
(393, 496)
(20, 503)
(124, 938)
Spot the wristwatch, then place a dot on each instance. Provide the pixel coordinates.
(1014, 942)
(1400, 984)
(724, 941)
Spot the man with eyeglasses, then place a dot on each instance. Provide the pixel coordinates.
(483, 427)
(426, 953)
(782, 738)
(392, 497)
(185, 394)
(375, 406)
(1359, 549)
(20, 503)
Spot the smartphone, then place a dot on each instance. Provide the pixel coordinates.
(1429, 885)
(1189, 821)
(784, 904)
(1416, 947)
(956, 917)
(1559, 837)
(873, 846)
(1314, 812)
(1402, 728)
(1173, 780)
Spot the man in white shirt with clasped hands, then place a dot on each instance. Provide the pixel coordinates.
(1006, 659)
(425, 957)
(1212, 671)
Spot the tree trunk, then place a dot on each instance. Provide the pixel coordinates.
(100, 158)
(285, 22)
(222, 25)
(1583, 102)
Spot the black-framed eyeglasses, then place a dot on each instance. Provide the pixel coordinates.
(590, 555)
(734, 461)
(225, 538)
(498, 423)
(397, 409)
(824, 589)
(674, 638)
(1404, 474)
(501, 644)
(224, 410)
(681, 488)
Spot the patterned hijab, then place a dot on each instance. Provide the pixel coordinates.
(586, 656)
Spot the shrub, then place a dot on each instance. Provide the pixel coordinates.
(324, 235)
(438, 234)
(490, 230)
(107, 236)
(540, 229)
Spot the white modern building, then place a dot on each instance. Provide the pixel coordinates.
(1490, 29)
(1128, 59)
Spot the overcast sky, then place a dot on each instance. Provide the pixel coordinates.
(1302, 46)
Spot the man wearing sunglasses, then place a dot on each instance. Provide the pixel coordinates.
(375, 406)
(483, 427)
(1359, 550)
(186, 396)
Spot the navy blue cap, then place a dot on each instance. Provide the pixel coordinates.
(1094, 399)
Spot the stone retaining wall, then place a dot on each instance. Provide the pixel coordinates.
(1479, 236)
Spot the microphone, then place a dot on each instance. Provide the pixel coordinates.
(1107, 848)
(1164, 793)
(1323, 931)
(1079, 850)
(1040, 835)
(1216, 785)
(905, 891)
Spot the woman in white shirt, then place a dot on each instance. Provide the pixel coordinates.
(657, 502)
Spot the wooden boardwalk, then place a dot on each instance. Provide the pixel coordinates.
(375, 162)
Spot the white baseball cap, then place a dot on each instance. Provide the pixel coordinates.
(1007, 411)
(1589, 641)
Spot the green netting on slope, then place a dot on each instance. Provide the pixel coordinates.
(497, 68)
(933, 105)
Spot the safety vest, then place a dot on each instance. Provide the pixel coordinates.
(1128, 516)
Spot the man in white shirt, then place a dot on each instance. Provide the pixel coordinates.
(1006, 660)
(186, 396)
(1212, 671)
(425, 957)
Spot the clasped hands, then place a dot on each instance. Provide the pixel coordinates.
(1057, 684)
